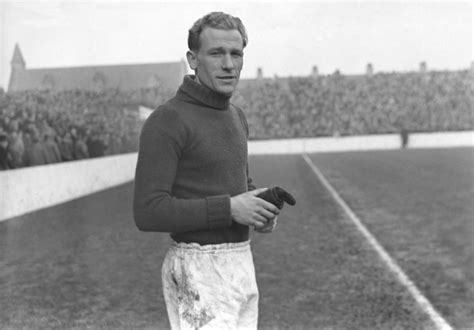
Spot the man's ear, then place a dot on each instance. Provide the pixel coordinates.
(192, 59)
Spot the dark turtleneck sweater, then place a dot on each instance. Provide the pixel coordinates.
(192, 159)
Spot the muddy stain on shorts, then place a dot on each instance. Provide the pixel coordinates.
(189, 299)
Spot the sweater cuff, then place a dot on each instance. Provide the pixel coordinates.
(218, 211)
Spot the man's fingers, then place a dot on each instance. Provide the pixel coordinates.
(261, 218)
(267, 214)
(269, 206)
(257, 191)
(259, 224)
(265, 204)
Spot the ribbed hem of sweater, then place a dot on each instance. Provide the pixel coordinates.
(218, 211)
(203, 94)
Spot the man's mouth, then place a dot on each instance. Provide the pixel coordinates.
(226, 78)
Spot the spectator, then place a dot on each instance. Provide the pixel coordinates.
(404, 137)
(17, 148)
(35, 152)
(66, 147)
(115, 144)
(80, 147)
(52, 150)
(5, 159)
(95, 145)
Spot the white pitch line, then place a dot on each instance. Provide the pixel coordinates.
(424, 303)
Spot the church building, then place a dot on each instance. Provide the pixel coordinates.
(97, 78)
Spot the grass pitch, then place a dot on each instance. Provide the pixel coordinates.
(83, 264)
(418, 203)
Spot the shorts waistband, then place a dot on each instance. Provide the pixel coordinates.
(212, 248)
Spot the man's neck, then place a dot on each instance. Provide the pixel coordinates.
(196, 79)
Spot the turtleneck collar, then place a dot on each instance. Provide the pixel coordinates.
(203, 94)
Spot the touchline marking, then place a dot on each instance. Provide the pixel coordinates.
(424, 303)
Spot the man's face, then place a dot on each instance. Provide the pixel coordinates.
(219, 60)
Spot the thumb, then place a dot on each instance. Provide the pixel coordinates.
(257, 191)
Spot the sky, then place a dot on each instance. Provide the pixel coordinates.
(286, 38)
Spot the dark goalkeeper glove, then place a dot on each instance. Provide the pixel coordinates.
(277, 196)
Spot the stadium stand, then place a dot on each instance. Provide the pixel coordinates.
(85, 124)
(338, 105)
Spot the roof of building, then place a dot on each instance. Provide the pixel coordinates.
(124, 77)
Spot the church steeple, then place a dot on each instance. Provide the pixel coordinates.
(18, 62)
(18, 65)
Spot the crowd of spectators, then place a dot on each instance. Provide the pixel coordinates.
(43, 127)
(353, 105)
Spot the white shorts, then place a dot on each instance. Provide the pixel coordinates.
(210, 286)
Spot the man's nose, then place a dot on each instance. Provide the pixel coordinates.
(227, 62)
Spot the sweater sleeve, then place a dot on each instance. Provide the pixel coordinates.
(243, 120)
(162, 141)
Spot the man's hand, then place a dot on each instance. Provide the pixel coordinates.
(268, 228)
(247, 209)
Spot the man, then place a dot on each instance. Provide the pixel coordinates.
(35, 150)
(17, 147)
(53, 155)
(192, 181)
(95, 145)
(66, 147)
(80, 147)
(5, 157)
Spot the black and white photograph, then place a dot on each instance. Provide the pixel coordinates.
(236, 165)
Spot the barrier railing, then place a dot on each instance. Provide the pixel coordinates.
(29, 189)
